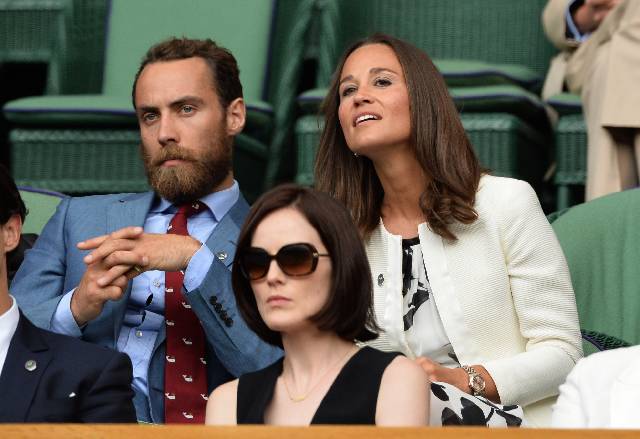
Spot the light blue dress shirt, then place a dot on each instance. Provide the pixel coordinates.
(145, 309)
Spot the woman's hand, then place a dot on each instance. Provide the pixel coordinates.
(436, 372)
(458, 377)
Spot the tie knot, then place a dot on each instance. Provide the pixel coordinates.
(178, 224)
(189, 209)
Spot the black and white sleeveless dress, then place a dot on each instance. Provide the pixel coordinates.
(449, 405)
(351, 399)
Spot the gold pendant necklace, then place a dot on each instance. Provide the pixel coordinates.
(300, 398)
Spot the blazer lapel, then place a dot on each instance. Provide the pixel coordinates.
(27, 359)
(625, 397)
(224, 248)
(128, 210)
(447, 301)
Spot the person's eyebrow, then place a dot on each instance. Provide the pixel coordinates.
(186, 100)
(176, 103)
(346, 78)
(373, 70)
(382, 69)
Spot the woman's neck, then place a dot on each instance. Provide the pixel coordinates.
(403, 182)
(309, 355)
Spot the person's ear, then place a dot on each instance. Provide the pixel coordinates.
(236, 117)
(11, 231)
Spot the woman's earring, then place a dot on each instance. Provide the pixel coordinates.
(355, 154)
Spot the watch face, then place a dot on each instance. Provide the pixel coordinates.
(477, 383)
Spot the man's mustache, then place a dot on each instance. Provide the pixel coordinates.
(173, 152)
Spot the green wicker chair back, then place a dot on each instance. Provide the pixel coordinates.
(601, 242)
(500, 32)
(87, 131)
(41, 205)
(134, 26)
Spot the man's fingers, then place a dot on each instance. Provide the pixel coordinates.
(107, 248)
(113, 292)
(92, 243)
(121, 257)
(110, 276)
(127, 233)
(98, 241)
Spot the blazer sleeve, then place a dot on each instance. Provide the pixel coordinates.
(555, 25)
(543, 299)
(110, 397)
(39, 283)
(238, 348)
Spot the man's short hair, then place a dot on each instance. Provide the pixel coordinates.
(10, 200)
(222, 64)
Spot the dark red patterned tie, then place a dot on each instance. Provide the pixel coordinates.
(185, 373)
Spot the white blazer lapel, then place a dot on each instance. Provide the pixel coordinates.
(625, 397)
(447, 300)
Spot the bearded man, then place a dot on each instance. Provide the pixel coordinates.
(149, 274)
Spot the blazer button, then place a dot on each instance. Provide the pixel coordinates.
(380, 280)
(228, 322)
(213, 300)
(217, 307)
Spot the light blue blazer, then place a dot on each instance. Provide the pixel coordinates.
(54, 266)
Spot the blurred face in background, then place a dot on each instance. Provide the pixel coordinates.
(287, 302)
(186, 133)
(374, 106)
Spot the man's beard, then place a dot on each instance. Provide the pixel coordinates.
(199, 176)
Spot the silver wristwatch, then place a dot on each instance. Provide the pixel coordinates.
(476, 382)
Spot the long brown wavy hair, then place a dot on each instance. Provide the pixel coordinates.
(438, 139)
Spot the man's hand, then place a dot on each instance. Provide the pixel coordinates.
(166, 252)
(111, 265)
(93, 291)
(589, 16)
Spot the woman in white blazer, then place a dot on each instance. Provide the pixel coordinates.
(601, 392)
(469, 278)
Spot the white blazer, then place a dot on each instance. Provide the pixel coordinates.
(503, 292)
(602, 391)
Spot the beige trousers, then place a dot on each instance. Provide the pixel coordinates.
(613, 153)
(606, 71)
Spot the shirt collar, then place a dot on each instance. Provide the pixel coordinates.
(219, 203)
(9, 323)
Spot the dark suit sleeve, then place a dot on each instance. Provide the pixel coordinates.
(110, 397)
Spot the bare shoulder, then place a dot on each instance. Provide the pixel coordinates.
(405, 369)
(221, 407)
(403, 399)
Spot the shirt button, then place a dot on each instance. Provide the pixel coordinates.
(138, 333)
(156, 283)
(380, 280)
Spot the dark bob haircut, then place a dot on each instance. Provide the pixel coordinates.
(348, 311)
(10, 201)
(438, 139)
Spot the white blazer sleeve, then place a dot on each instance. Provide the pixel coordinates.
(543, 299)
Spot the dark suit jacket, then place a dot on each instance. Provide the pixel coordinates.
(73, 381)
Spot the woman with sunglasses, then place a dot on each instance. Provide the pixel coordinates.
(302, 282)
(469, 278)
